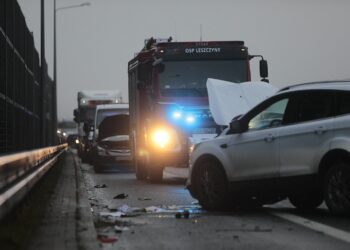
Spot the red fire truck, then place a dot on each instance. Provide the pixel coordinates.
(168, 99)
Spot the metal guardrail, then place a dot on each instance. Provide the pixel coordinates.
(20, 172)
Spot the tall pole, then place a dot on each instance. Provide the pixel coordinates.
(54, 119)
(42, 78)
(54, 73)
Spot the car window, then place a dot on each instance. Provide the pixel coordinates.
(272, 116)
(343, 103)
(309, 106)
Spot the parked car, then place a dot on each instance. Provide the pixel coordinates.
(295, 145)
(112, 143)
(106, 110)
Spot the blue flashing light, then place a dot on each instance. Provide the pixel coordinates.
(180, 117)
(177, 115)
(190, 119)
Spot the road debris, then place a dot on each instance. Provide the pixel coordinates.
(112, 214)
(106, 239)
(121, 196)
(119, 229)
(100, 186)
(144, 199)
(185, 214)
(154, 209)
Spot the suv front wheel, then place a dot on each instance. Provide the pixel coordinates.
(337, 188)
(211, 186)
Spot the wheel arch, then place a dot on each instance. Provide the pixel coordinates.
(195, 170)
(204, 158)
(335, 155)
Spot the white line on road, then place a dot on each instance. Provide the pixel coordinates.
(327, 230)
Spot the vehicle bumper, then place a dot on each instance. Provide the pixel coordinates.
(100, 160)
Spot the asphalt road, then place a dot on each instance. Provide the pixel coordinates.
(149, 218)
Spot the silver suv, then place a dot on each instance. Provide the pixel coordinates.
(295, 145)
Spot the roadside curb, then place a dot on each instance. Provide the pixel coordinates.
(85, 229)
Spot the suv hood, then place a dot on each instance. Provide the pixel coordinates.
(228, 100)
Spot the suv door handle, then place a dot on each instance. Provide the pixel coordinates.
(269, 138)
(320, 130)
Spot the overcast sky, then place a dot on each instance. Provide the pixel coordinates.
(302, 40)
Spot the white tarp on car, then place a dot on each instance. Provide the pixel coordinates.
(228, 99)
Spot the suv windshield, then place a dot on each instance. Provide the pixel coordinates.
(103, 113)
(188, 78)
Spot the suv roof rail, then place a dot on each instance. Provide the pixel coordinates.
(310, 83)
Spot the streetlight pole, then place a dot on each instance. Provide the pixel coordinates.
(42, 75)
(54, 73)
(55, 53)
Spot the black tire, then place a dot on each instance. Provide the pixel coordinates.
(336, 189)
(211, 186)
(140, 170)
(308, 200)
(155, 173)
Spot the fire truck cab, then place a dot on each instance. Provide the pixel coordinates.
(168, 98)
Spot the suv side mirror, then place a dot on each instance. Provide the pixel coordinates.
(264, 73)
(236, 127)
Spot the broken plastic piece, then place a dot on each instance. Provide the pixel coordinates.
(112, 214)
(121, 196)
(144, 199)
(153, 209)
(119, 229)
(100, 186)
(106, 239)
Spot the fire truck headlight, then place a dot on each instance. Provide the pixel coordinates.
(161, 137)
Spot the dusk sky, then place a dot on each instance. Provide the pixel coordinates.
(302, 40)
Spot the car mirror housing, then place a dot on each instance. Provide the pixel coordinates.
(236, 127)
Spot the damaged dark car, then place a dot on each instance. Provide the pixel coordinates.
(112, 144)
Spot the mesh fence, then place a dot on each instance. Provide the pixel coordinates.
(20, 86)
